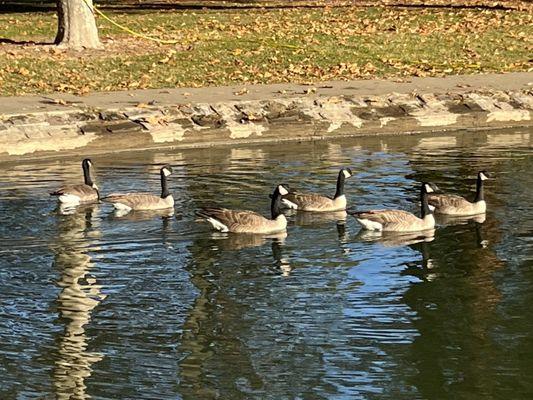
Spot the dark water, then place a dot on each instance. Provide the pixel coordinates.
(157, 307)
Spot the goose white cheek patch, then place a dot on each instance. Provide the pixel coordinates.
(483, 176)
(429, 189)
(346, 174)
(282, 190)
(166, 172)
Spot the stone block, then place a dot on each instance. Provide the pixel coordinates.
(111, 116)
(121, 127)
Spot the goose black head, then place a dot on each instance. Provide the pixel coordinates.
(428, 187)
(347, 172)
(166, 170)
(282, 189)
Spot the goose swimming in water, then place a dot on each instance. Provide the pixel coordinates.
(398, 220)
(82, 193)
(126, 202)
(450, 204)
(244, 221)
(318, 203)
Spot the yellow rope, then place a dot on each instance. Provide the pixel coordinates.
(126, 29)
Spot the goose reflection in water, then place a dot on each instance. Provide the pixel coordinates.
(139, 216)
(397, 239)
(281, 261)
(230, 241)
(309, 218)
(314, 219)
(450, 220)
(80, 294)
(234, 242)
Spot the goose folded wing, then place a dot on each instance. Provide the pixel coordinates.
(132, 199)
(76, 190)
(308, 199)
(386, 216)
(235, 219)
(447, 200)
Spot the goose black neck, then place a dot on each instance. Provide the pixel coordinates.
(87, 174)
(480, 196)
(425, 210)
(275, 204)
(164, 186)
(340, 184)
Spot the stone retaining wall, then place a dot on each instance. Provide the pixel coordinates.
(90, 130)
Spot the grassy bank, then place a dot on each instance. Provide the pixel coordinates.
(219, 47)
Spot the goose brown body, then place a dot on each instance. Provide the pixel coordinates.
(85, 193)
(319, 203)
(316, 203)
(139, 201)
(449, 204)
(245, 221)
(399, 220)
(143, 201)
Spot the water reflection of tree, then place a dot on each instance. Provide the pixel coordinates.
(455, 305)
(78, 297)
(215, 358)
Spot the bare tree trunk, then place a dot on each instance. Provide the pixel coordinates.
(76, 25)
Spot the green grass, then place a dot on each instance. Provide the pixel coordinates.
(218, 47)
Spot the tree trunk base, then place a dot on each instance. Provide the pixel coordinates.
(76, 25)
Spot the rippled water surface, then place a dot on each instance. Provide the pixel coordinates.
(149, 306)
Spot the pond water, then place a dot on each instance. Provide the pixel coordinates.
(151, 306)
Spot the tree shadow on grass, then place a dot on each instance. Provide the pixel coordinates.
(26, 6)
(24, 42)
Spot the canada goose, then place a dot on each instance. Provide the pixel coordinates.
(126, 202)
(450, 204)
(238, 221)
(319, 203)
(83, 193)
(398, 220)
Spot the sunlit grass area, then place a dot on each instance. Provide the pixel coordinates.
(235, 46)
